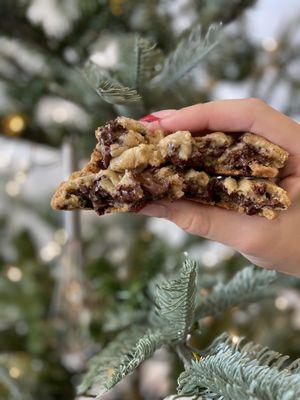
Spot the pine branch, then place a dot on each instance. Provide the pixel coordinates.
(176, 302)
(149, 58)
(109, 88)
(102, 365)
(138, 61)
(174, 310)
(250, 372)
(143, 349)
(187, 55)
(246, 286)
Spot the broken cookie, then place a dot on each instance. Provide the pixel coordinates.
(109, 191)
(127, 144)
(132, 166)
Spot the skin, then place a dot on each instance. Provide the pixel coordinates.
(270, 244)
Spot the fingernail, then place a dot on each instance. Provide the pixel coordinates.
(157, 115)
(149, 118)
(154, 210)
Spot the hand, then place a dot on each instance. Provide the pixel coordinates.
(271, 244)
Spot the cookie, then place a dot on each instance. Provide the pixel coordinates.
(110, 191)
(127, 144)
(132, 166)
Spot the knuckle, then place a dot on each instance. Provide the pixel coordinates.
(195, 224)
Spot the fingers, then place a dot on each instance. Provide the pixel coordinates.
(228, 227)
(237, 116)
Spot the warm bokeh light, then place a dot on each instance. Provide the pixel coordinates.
(14, 124)
(14, 274)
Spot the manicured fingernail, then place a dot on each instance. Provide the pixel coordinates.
(149, 118)
(157, 115)
(154, 210)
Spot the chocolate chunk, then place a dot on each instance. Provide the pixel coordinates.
(109, 134)
(241, 158)
(128, 194)
(153, 187)
(194, 161)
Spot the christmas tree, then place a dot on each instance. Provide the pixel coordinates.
(80, 311)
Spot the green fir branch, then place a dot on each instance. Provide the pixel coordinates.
(249, 372)
(246, 286)
(108, 88)
(101, 366)
(148, 61)
(138, 61)
(176, 300)
(187, 55)
(143, 349)
(174, 310)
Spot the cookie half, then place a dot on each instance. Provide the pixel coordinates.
(127, 144)
(110, 191)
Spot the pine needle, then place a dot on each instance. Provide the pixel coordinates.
(143, 349)
(109, 88)
(187, 55)
(176, 302)
(233, 373)
(246, 286)
(102, 365)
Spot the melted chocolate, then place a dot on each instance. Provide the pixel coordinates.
(109, 134)
(241, 158)
(216, 192)
(128, 194)
(194, 161)
(154, 188)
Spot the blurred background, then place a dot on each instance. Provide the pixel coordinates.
(68, 283)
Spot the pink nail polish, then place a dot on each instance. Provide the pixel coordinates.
(149, 118)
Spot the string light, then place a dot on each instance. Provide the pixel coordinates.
(60, 236)
(281, 303)
(209, 258)
(50, 251)
(14, 124)
(14, 274)
(12, 188)
(270, 44)
(14, 372)
(60, 115)
(235, 339)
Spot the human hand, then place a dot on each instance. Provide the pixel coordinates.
(271, 244)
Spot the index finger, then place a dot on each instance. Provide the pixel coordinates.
(243, 115)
